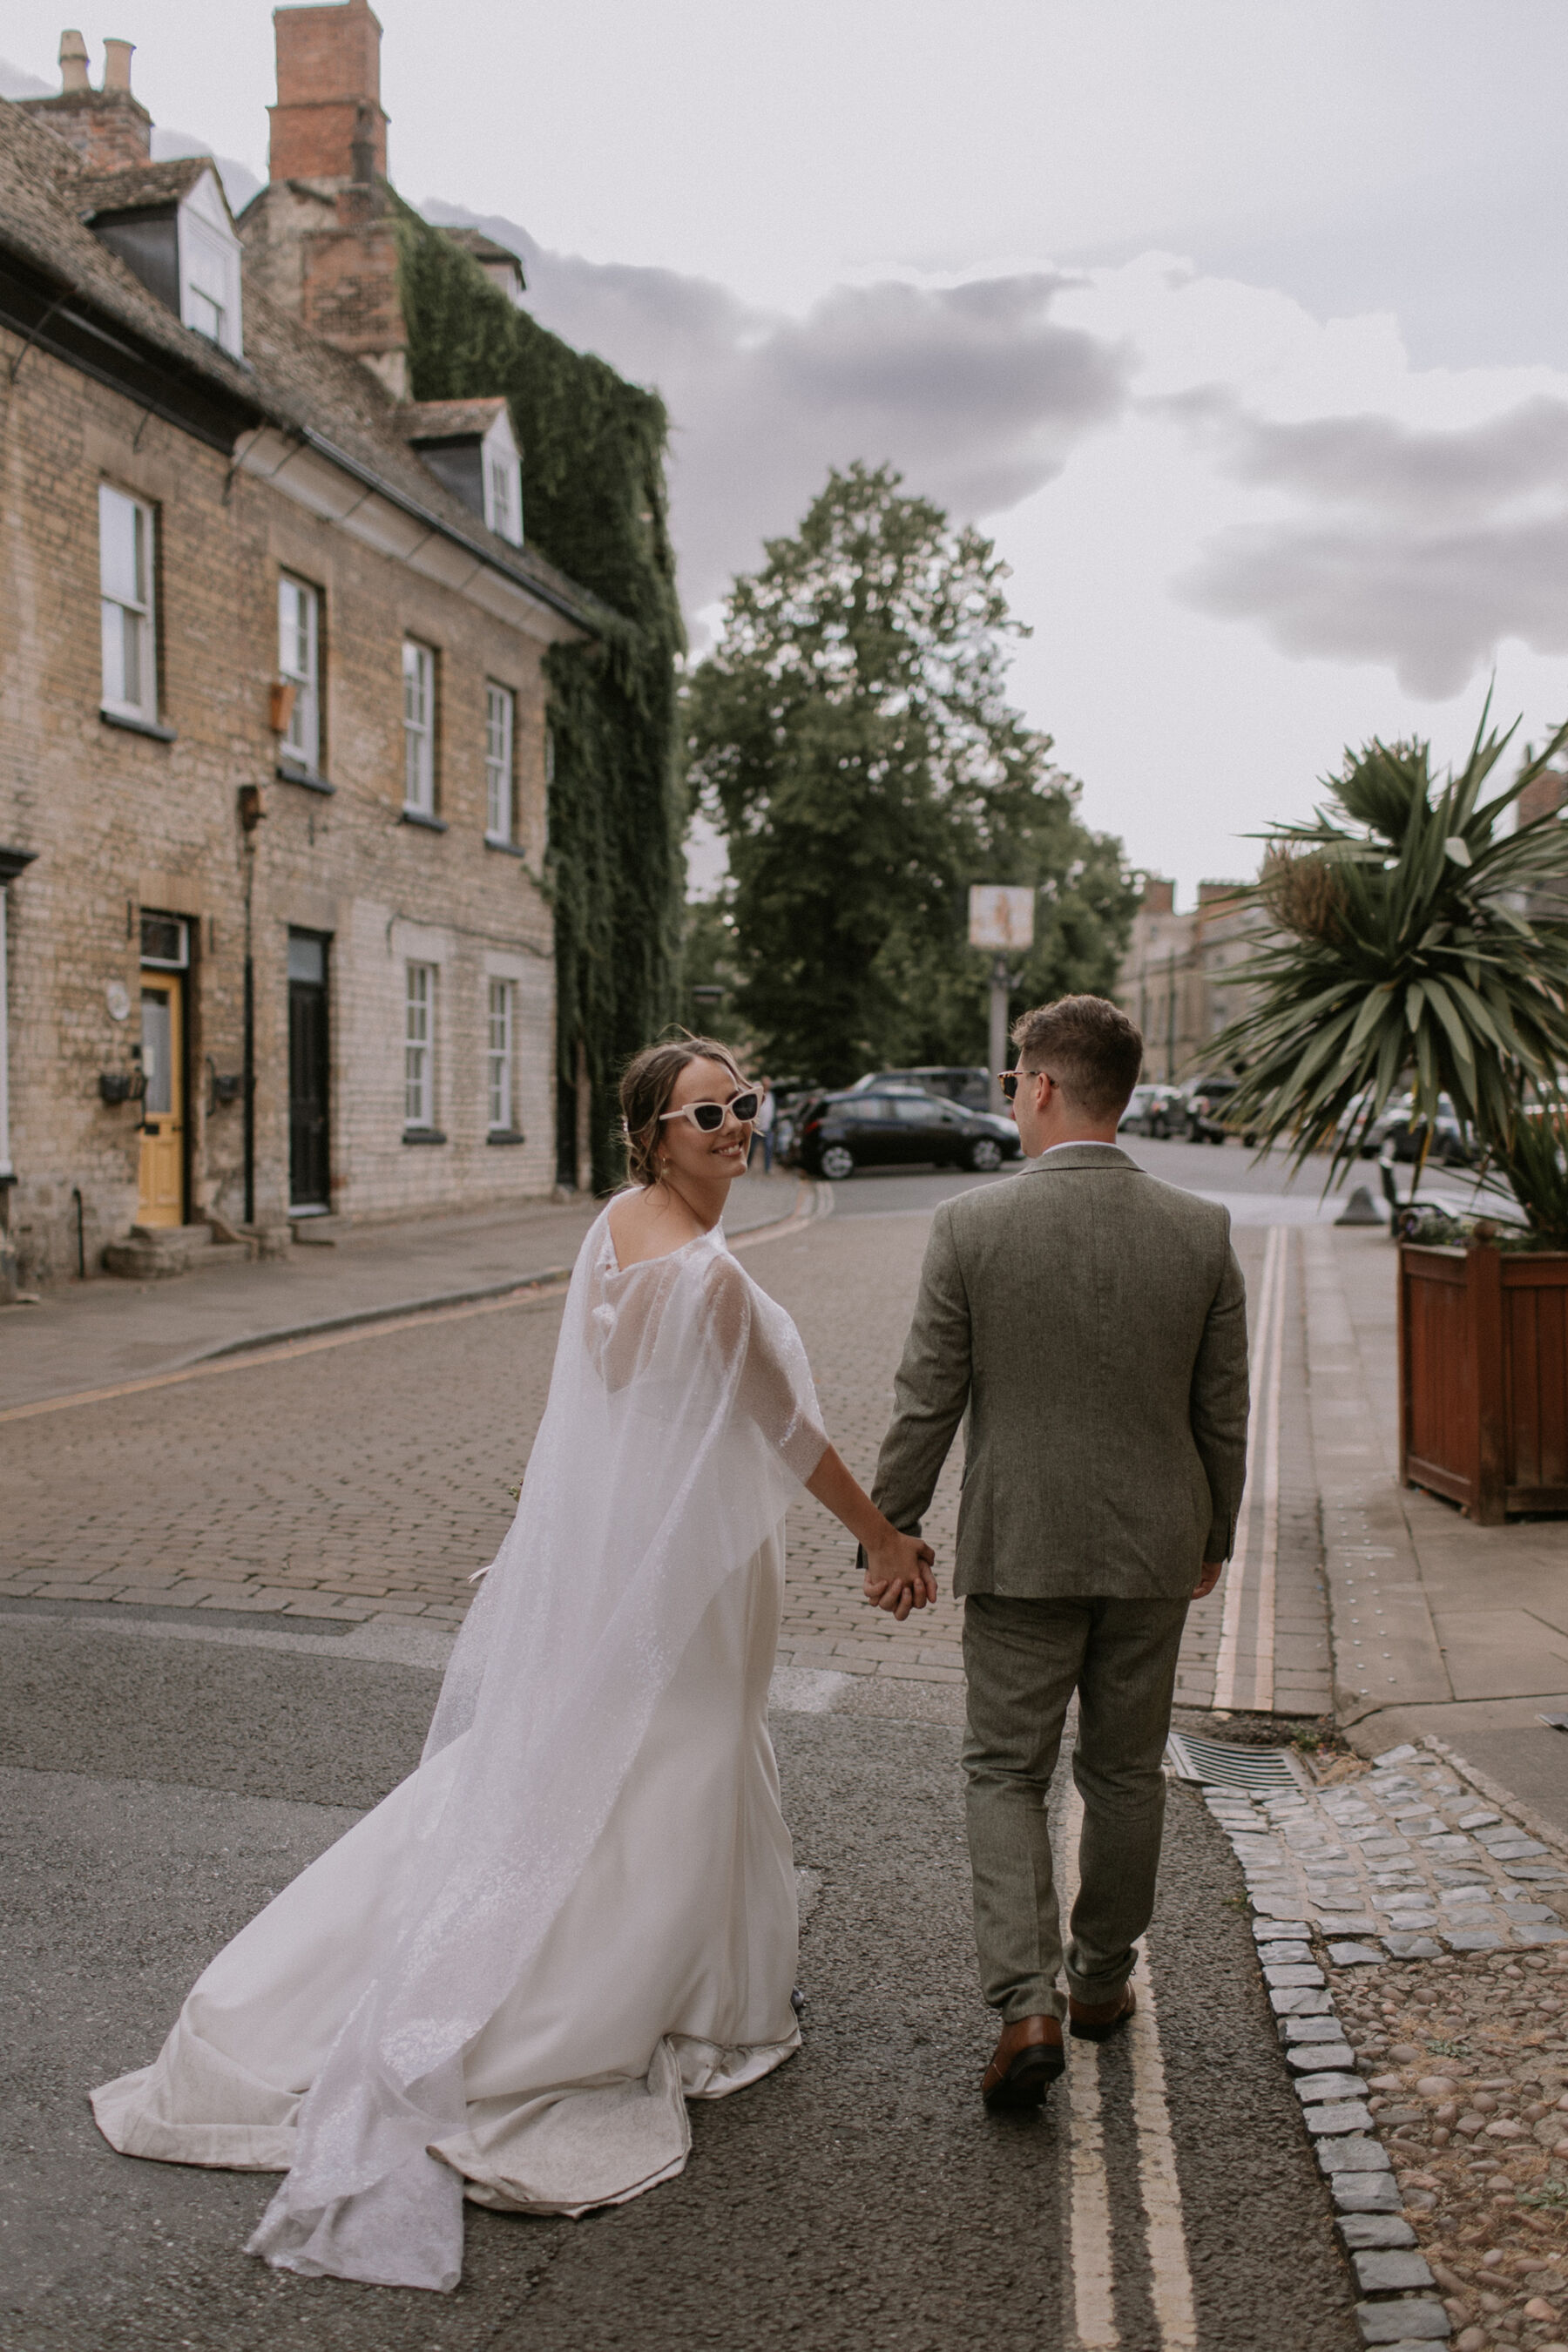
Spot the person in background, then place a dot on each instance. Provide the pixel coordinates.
(762, 1125)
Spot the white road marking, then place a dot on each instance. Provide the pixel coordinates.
(1254, 1564)
(1089, 2219)
(1157, 2179)
(1090, 2247)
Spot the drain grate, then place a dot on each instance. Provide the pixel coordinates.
(1219, 1765)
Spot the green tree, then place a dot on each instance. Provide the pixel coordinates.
(850, 736)
(593, 501)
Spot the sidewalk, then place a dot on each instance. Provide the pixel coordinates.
(88, 1335)
(1439, 1627)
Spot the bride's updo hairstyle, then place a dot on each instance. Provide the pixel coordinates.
(646, 1086)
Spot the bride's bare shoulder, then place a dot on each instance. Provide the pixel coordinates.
(645, 1224)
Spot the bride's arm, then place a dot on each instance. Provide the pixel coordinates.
(778, 1398)
(898, 1567)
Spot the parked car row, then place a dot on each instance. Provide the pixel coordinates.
(939, 1115)
(1397, 1134)
(1190, 1114)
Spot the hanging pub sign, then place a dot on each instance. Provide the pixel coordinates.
(1001, 916)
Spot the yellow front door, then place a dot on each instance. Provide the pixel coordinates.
(161, 1200)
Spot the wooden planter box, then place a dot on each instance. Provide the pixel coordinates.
(1483, 1378)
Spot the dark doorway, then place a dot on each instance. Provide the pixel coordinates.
(310, 1073)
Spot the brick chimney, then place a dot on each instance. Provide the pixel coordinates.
(328, 122)
(1159, 896)
(320, 236)
(106, 127)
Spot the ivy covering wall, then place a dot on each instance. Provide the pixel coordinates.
(595, 504)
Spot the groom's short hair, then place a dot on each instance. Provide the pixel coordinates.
(1090, 1048)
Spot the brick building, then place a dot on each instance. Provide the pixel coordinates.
(273, 725)
(1179, 978)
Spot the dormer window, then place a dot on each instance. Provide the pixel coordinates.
(170, 224)
(468, 445)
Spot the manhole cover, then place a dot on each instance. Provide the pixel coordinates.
(1219, 1765)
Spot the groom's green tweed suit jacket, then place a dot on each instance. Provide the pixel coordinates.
(1088, 1325)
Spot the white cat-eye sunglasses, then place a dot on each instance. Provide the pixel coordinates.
(709, 1115)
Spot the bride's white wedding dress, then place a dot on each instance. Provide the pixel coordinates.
(580, 1911)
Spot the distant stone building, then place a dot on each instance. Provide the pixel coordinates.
(1549, 792)
(273, 724)
(1180, 977)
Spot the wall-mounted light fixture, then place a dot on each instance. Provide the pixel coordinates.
(223, 1089)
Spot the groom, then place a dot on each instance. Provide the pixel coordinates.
(1091, 1323)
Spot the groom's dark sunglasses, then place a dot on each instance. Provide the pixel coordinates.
(1010, 1081)
(709, 1115)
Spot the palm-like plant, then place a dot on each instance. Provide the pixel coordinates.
(1401, 950)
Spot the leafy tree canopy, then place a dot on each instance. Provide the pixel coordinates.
(850, 736)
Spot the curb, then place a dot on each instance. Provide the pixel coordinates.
(803, 1212)
(429, 1304)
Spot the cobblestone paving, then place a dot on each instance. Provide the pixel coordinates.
(374, 1476)
(1412, 1939)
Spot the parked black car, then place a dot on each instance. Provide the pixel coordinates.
(898, 1126)
(960, 1083)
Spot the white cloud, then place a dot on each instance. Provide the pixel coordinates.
(1423, 548)
(976, 391)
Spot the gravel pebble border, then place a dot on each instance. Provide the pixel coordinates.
(1410, 1929)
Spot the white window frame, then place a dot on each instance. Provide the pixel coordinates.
(209, 266)
(500, 1024)
(299, 664)
(500, 734)
(502, 480)
(127, 606)
(418, 727)
(500, 492)
(419, 986)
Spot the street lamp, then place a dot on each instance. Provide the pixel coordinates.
(1002, 918)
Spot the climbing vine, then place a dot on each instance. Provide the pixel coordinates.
(595, 504)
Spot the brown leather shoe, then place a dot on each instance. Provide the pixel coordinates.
(1095, 2020)
(1026, 2061)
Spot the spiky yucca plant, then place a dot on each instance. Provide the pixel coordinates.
(1401, 952)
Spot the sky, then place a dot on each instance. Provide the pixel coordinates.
(1241, 327)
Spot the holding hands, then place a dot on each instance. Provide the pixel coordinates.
(899, 1567)
(898, 1573)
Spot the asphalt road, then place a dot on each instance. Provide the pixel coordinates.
(1256, 1191)
(156, 1791)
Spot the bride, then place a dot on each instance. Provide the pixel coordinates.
(579, 1912)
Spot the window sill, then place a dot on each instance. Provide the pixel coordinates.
(423, 1135)
(134, 726)
(506, 1134)
(507, 848)
(418, 817)
(288, 774)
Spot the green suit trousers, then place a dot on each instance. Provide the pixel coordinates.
(1023, 1661)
